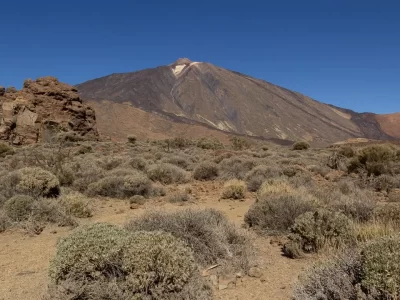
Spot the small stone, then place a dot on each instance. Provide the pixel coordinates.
(255, 272)
(134, 206)
(239, 275)
(214, 280)
(222, 287)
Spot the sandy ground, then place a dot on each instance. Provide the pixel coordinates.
(24, 260)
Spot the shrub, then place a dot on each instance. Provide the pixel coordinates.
(209, 143)
(167, 173)
(275, 186)
(86, 171)
(37, 182)
(388, 213)
(207, 232)
(381, 268)
(277, 213)
(393, 197)
(259, 174)
(139, 264)
(77, 205)
(138, 163)
(5, 221)
(137, 199)
(332, 280)
(302, 145)
(178, 160)
(179, 197)
(234, 189)
(321, 228)
(132, 139)
(236, 167)
(179, 143)
(5, 150)
(123, 186)
(384, 183)
(206, 171)
(347, 151)
(19, 207)
(239, 143)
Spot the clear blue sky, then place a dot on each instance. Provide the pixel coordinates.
(342, 52)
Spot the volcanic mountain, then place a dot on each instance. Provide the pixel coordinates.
(217, 99)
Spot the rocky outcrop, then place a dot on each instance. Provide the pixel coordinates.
(43, 110)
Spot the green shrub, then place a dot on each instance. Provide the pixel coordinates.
(381, 268)
(302, 145)
(234, 189)
(209, 143)
(239, 143)
(207, 232)
(37, 182)
(19, 207)
(167, 174)
(277, 213)
(5, 150)
(206, 171)
(123, 186)
(141, 265)
(321, 228)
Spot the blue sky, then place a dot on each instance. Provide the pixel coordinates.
(346, 53)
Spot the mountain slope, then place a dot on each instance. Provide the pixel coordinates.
(230, 101)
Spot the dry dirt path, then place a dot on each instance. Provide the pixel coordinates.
(24, 260)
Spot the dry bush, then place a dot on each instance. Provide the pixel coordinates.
(209, 143)
(77, 205)
(139, 265)
(236, 167)
(208, 233)
(388, 213)
(332, 280)
(259, 174)
(302, 145)
(34, 181)
(206, 171)
(86, 171)
(274, 186)
(393, 197)
(234, 189)
(110, 163)
(179, 197)
(182, 161)
(19, 207)
(317, 230)
(5, 221)
(167, 173)
(276, 212)
(381, 268)
(138, 163)
(239, 143)
(385, 183)
(122, 185)
(137, 199)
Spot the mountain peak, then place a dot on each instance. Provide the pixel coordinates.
(183, 61)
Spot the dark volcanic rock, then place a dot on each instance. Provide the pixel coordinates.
(42, 110)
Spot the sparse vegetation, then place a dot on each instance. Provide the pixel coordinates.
(234, 189)
(166, 173)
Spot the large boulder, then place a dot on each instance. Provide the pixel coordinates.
(42, 111)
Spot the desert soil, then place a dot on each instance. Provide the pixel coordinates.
(24, 259)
